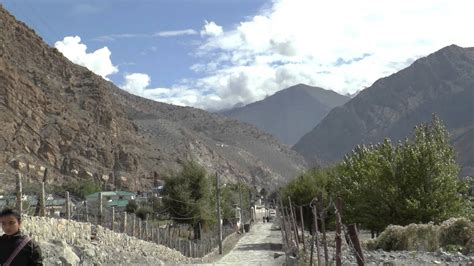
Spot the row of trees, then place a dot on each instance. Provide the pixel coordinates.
(413, 181)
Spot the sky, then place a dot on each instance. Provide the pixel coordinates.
(218, 54)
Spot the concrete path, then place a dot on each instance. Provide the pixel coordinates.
(260, 246)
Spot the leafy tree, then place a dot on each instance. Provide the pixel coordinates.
(187, 197)
(367, 183)
(307, 186)
(415, 181)
(432, 190)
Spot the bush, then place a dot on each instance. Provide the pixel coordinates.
(451, 235)
(458, 232)
(131, 207)
(420, 237)
(143, 213)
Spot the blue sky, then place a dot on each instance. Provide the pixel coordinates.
(215, 54)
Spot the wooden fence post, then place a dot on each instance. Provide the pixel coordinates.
(302, 229)
(158, 235)
(42, 201)
(152, 233)
(134, 224)
(113, 219)
(146, 230)
(283, 223)
(124, 229)
(294, 224)
(101, 210)
(19, 193)
(338, 231)
(87, 211)
(354, 238)
(315, 240)
(140, 233)
(323, 228)
(68, 206)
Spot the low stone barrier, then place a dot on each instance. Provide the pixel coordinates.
(45, 229)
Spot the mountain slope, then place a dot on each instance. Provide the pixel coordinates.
(61, 116)
(289, 113)
(441, 83)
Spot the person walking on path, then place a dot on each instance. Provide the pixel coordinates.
(15, 247)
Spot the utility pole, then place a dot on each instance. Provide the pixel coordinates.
(218, 199)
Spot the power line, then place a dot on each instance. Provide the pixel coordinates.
(191, 203)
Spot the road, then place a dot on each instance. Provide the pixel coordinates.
(260, 246)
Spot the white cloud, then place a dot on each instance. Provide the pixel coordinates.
(98, 61)
(211, 29)
(175, 33)
(340, 45)
(138, 84)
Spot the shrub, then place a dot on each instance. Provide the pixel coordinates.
(457, 232)
(452, 235)
(421, 237)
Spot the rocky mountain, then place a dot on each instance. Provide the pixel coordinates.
(441, 83)
(61, 116)
(289, 113)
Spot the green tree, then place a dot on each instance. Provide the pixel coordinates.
(432, 189)
(415, 181)
(367, 183)
(187, 197)
(307, 186)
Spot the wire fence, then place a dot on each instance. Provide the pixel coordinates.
(178, 236)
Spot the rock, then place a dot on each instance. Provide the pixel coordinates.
(69, 257)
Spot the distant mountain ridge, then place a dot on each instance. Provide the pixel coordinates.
(289, 113)
(441, 83)
(61, 116)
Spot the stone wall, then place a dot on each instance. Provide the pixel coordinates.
(45, 229)
(70, 241)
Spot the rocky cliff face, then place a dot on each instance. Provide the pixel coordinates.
(441, 83)
(290, 113)
(65, 118)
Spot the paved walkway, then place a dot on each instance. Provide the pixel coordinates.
(260, 246)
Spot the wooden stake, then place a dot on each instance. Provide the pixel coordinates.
(19, 193)
(101, 210)
(353, 235)
(68, 206)
(293, 220)
(302, 229)
(338, 232)
(323, 228)
(113, 219)
(124, 229)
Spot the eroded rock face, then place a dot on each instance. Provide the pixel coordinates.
(62, 116)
